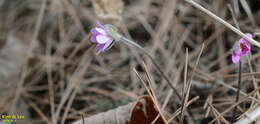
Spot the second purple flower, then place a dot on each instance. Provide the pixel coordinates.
(242, 48)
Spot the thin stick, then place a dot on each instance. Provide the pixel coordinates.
(127, 41)
(38, 110)
(243, 74)
(147, 89)
(50, 82)
(184, 86)
(192, 73)
(245, 114)
(252, 115)
(77, 87)
(235, 104)
(178, 111)
(37, 27)
(71, 84)
(32, 45)
(239, 69)
(152, 89)
(155, 64)
(251, 71)
(220, 82)
(252, 41)
(215, 112)
(83, 119)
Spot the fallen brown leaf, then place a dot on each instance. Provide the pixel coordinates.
(144, 112)
(140, 112)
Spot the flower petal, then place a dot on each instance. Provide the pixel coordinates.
(94, 31)
(93, 38)
(101, 31)
(237, 50)
(107, 44)
(244, 45)
(102, 39)
(235, 58)
(100, 46)
(100, 25)
(249, 35)
(243, 40)
(247, 43)
(99, 51)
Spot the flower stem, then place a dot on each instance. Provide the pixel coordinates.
(239, 80)
(127, 41)
(238, 90)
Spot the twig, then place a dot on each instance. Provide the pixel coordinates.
(127, 41)
(214, 111)
(178, 111)
(32, 45)
(243, 74)
(220, 82)
(248, 11)
(245, 114)
(176, 79)
(235, 104)
(147, 89)
(83, 119)
(155, 64)
(252, 41)
(71, 84)
(251, 71)
(252, 115)
(153, 93)
(38, 26)
(77, 87)
(217, 113)
(239, 69)
(38, 110)
(192, 73)
(184, 86)
(50, 82)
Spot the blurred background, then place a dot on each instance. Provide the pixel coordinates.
(49, 70)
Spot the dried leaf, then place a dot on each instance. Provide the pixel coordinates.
(144, 112)
(108, 9)
(140, 112)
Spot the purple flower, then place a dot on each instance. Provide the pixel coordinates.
(101, 37)
(242, 48)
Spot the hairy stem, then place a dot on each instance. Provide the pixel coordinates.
(153, 61)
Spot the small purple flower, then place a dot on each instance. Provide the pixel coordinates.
(242, 48)
(101, 37)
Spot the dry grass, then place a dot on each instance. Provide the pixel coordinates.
(50, 73)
